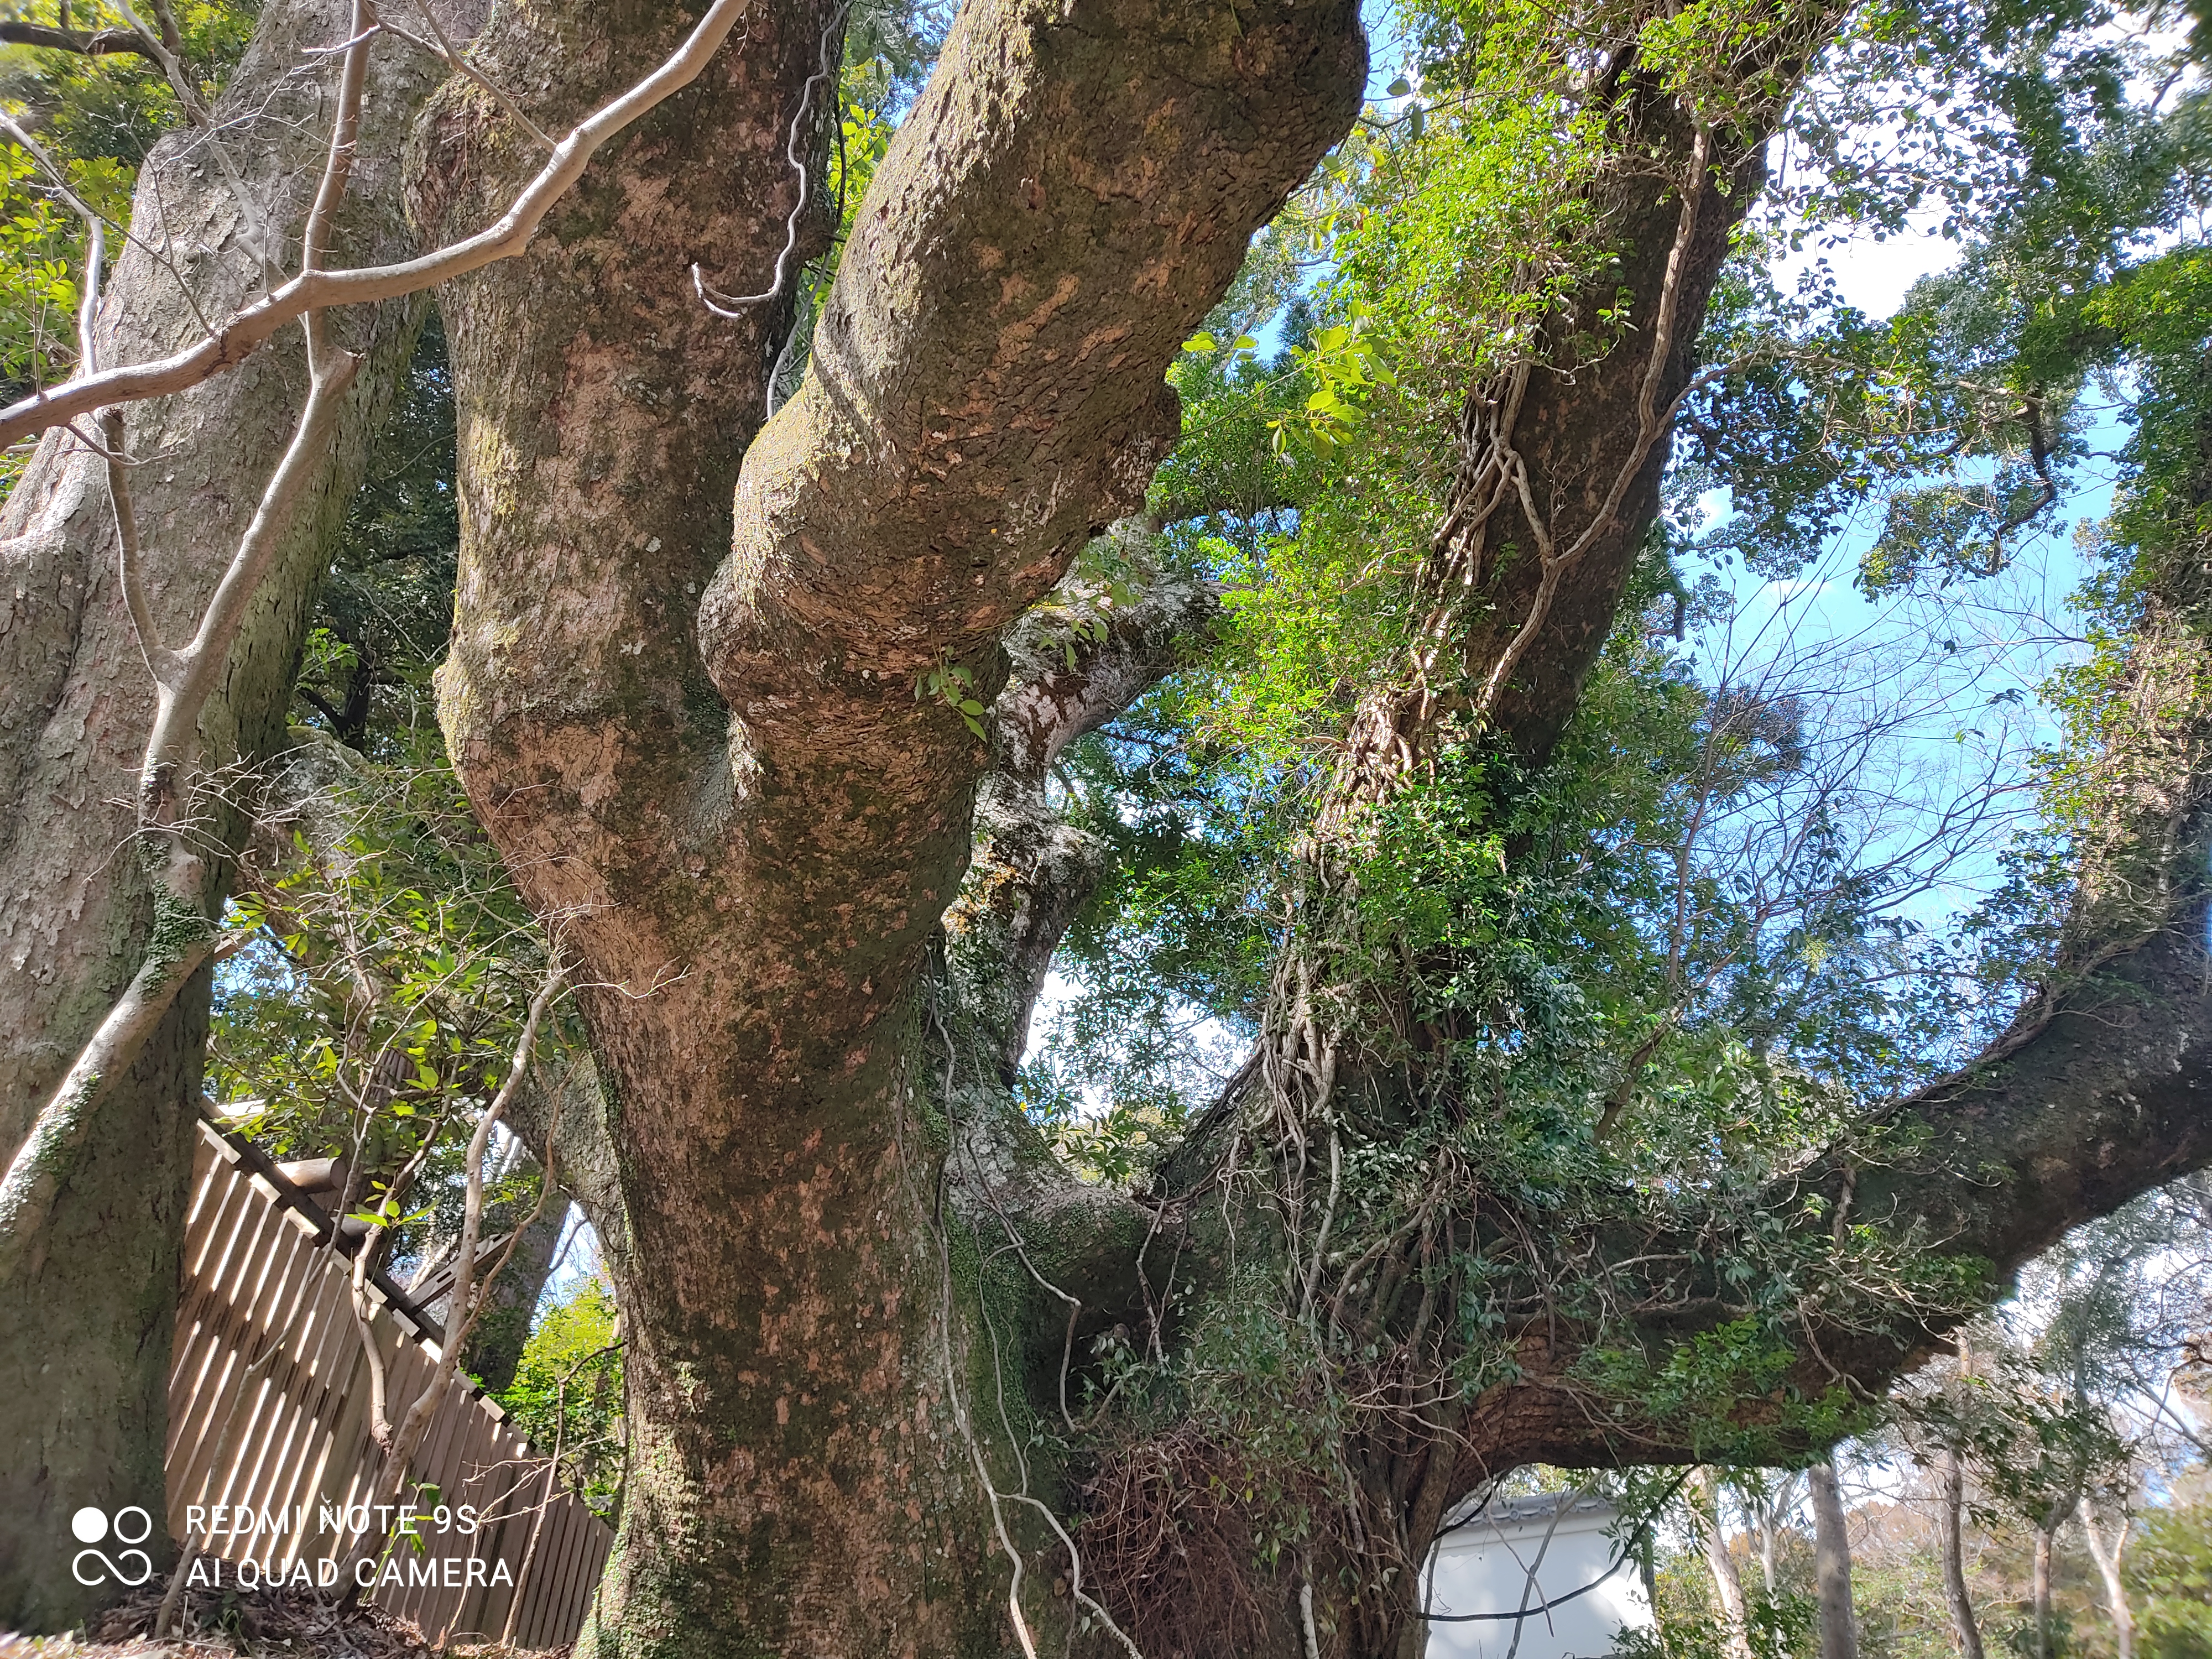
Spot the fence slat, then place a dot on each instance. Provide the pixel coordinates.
(293, 1429)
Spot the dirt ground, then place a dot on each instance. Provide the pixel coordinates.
(264, 1624)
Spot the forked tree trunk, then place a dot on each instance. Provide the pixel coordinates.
(712, 766)
(796, 1484)
(1831, 1566)
(85, 1328)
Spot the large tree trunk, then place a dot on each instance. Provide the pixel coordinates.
(85, 1329)
(1831, 1566)
(1557, 481)
(712, 773)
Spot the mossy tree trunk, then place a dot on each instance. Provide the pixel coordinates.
(2096, 1094)
(693, 731)
(85, 1329)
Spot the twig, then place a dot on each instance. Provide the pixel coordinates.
(184, 937)
(462, 1318)
(165, 48)
(100, 44)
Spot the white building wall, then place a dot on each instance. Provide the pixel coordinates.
(1522, 1554)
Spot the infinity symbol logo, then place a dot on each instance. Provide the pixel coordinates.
(89, 1526)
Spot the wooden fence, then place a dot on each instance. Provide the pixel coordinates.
(269, 1412)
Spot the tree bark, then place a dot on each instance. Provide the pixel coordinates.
(1032, 871)
(85, 1331)
(2039, 1592)
(1720, 1561)
(1951, 1502)
(1831, 1566)
(1770, 1528)
(2107, 1559)
(695, 737)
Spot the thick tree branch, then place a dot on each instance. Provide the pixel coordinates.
(97, 44)
(1032, 870)
(986, 374)
(2098, 1091)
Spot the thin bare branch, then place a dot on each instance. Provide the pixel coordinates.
(161, 663)
(165, 47)
(251, 326)
(337, 170)
(407, 1436)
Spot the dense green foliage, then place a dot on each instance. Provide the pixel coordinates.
(379, 1013)
(387, 606)
(2171, 1570)
(567, 1395)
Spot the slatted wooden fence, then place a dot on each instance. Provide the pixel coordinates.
(269, 1409)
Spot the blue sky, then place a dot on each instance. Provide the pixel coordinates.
(1957, 672)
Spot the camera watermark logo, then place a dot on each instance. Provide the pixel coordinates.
(132, 1525)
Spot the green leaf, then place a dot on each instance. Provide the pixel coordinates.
(1200, 342)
